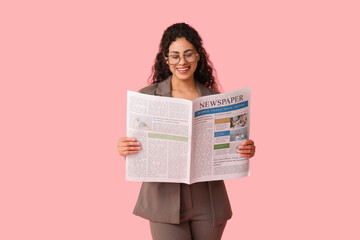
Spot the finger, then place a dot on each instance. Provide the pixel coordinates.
(245, 151)
(248, 142)
(127, 139)
(247, 147)
(124, 149)
(247, 155)
(124, 154)
(128, 144)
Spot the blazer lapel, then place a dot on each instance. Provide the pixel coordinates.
(204, 91)
(164, 88)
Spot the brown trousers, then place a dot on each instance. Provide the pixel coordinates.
(196, 220)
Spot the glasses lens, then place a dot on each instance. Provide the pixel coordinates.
(190, 57)
(174, 59)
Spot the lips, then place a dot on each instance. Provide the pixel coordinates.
(183, 69)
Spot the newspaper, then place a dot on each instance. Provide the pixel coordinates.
(188, 141)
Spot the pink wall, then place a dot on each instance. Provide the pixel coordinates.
(65, 68)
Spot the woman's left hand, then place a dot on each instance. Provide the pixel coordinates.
(247, 149)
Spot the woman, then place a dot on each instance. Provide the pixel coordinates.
(180, 211)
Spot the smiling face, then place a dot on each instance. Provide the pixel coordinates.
(181, 48)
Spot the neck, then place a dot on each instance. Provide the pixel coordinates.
(183, 85)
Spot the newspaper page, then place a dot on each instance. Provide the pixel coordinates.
(188, 141)
(163, 126)
(221, 123)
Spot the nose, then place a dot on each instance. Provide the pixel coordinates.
(182, 60)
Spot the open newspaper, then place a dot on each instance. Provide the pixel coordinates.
(188, 141)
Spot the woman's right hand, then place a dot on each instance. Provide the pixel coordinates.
(128, 145)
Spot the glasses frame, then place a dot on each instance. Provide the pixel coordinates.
(183, 56)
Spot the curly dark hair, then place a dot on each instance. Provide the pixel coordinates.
(204, 72)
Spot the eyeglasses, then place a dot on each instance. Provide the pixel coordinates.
(175, 58)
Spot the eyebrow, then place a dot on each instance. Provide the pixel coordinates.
(184, 51)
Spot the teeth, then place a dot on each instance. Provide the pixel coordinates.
(182, 69)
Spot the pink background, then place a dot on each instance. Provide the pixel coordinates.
(65, 68)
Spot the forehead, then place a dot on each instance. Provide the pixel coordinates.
(180, 45)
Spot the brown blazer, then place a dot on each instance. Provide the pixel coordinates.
(160, 202)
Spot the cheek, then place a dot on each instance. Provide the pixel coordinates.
(171, 68)
(194, 66)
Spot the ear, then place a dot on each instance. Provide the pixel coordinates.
(198, 57)
(166, 59)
